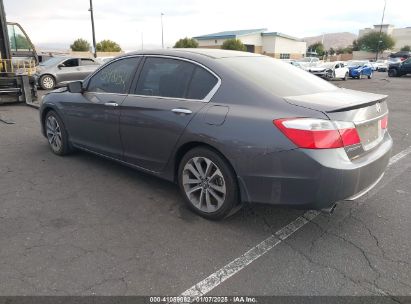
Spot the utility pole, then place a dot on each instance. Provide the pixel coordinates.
(382, 21)
(92, 29)
(162, 31)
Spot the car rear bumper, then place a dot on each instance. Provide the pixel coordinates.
(315, 179)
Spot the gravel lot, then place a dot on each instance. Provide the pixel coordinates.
(82, 225)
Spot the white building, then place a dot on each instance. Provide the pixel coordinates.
(402, 36)
(259, 41)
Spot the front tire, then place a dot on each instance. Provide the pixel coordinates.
(370, 76)
(47, 82)
(208, 183)
(392, 73)
(56, 134)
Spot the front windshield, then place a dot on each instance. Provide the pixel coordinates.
(52, 61)
(274, 76)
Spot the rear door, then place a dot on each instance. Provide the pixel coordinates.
(168, 94)
(87, 66)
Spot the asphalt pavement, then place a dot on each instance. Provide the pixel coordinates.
(82, 225)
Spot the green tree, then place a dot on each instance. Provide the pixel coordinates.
(374, 41)
(189, 43)
(317, 47)
(108, 46)
(331, 51)
(234, 44)
(80, 45)
(355, 45)
(406, 48)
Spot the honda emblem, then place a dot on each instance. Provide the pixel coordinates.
(378, 107)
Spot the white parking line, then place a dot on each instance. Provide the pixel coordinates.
(224, 273)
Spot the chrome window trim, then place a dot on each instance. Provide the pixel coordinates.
(206, 99)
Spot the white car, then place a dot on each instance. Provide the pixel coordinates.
(381, 65)
(308, 62)
(331, 70)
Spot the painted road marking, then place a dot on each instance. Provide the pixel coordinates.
(226, 272)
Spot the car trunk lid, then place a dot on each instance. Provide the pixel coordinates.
(367, 111)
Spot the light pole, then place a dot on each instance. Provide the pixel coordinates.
(382, 21)
(162, 31)
(92, 29)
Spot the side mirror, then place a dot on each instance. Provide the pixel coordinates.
(75, 87)
(61, 65)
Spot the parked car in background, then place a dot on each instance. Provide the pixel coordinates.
(331, 70)
(228, 127)
(359, 68)
(104, 59)
(58, 71)
(400, 68)
(403, 55)
(308, 62)
(381, 65)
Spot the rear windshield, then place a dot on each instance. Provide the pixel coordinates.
(280, 78)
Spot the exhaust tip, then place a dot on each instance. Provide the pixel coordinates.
(329, 210)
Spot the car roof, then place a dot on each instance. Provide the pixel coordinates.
(210, 53)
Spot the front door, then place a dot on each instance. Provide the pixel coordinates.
(169, 93)
(94, 117)
(407, 66)
(68, 70)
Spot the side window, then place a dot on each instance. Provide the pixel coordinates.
(71, 63)
(87, 61)
(115, 77)
(165, 77)
(201, 84)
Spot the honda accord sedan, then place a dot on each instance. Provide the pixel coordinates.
(228, 127)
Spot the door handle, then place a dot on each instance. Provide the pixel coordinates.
(111, 104)
(181, 111)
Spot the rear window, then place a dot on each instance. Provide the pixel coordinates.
(279, 78)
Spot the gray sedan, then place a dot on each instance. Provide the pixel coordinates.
(228, 127)
(58, 71)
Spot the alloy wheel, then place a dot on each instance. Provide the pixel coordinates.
(204, 184)
(48, 82)
(53, 132)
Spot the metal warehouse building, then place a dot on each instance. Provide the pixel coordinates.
(260, 41)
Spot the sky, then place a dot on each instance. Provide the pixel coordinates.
(55, 24)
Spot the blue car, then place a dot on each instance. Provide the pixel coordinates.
(357, 69)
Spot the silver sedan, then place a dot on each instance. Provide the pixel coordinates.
(58, 71)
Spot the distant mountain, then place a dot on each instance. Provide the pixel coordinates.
(334, 40)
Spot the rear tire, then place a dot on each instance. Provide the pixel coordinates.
(56, 134)
(345, 77)
(208, 183)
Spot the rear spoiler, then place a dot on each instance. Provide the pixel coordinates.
(357, 106)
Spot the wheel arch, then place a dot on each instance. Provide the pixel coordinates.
(242, 191)
(47, 74)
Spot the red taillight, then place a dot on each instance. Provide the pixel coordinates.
(310, 133)
(384, 122)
